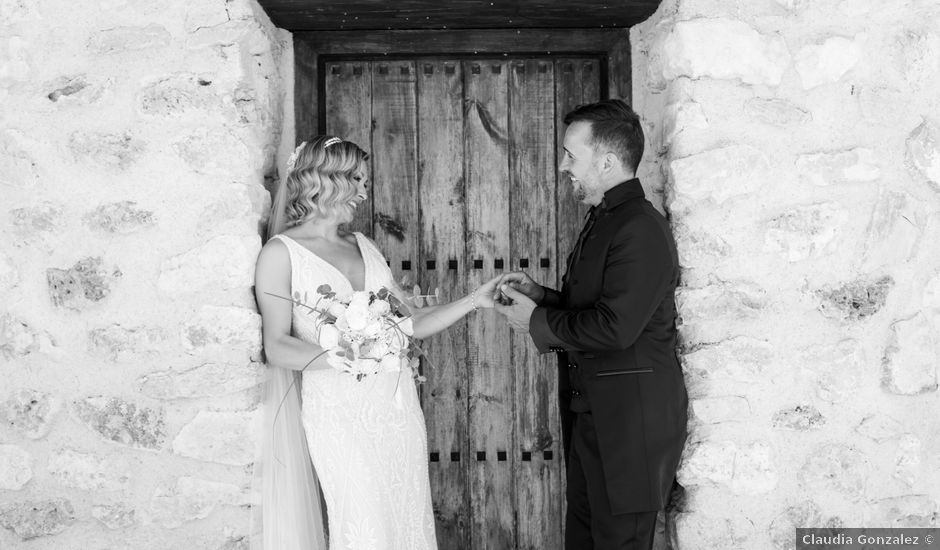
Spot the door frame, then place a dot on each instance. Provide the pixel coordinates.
(313, 49)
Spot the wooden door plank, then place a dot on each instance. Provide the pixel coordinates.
(348, 87)
(490, 368)
(394, 172)
(532, 211)
(443, 240)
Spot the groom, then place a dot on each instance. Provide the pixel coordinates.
(623, 399)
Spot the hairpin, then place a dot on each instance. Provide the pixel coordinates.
(293, 157)
(332, 141)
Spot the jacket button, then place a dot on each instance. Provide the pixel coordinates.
(572, 366)
(575, 393)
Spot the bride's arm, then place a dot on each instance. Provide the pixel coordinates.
(430, 320)
(272, 279)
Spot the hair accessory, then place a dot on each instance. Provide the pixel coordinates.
(332, 141)
(293, 157)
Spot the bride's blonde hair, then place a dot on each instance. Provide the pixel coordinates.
(320, 180)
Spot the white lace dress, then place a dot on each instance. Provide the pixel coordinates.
(368, 439)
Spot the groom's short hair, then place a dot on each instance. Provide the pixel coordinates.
(614, 126)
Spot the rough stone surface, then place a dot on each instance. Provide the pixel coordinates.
(18, 167)
(122, 39)
(178, 94)
(235, 543)
(17, 339)
(923, 152)
(916, 510)
(681, 116)
(894, 234)
(32, 519)
(119, 217)
(733, 304)
(222, 437)
(223, 327)
(713, 410)
(209, 380)
(9, 276)
(907, 460)
(82, 285)
(855, 300)
(224, 262)
(825, 63)
(109, 150)
(15, 66)
(879, 427)
(717, 175)
(739, 360)
(754, 470)
(123, 422)
(838, 369)
(30, 412)
(87, 471)
(212, 152)
(36, 219)
(912, 357)
(805, 232)
(828, 168)
(114, 516)
(804, 514)
(836, 467)
(15, 468)
(191, 499)
(118, 342)
(705, 531)
(799, 418)
(724, 49)
(707, 462)
(776, 111)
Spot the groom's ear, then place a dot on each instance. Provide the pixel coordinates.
(609, 162)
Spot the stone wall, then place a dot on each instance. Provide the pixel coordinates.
(134, 145)
(797, 143)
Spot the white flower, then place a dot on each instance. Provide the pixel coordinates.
(375, 349)
(329, 336)
(357, 316)
(374, 328)
(336, 309)
(390, 363)
(380, 308)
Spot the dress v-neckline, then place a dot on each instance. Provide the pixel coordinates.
(362, 254)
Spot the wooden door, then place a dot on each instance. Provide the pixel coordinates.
(464, 187)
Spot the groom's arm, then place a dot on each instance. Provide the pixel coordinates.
(550, 298)
(637, 274)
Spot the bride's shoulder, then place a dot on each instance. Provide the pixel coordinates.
(274, 253)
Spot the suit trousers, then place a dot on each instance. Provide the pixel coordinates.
(589, 524)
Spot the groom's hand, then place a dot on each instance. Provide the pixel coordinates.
(518, 314)
(521, 282)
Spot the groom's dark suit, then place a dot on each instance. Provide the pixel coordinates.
(613, 327)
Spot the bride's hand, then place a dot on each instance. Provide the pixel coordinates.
(483, 297)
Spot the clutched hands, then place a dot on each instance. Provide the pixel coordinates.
(517, 295)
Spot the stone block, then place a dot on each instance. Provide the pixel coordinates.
(920, 58)
(717, 409)
(9, 276)
(238, 208)
(235, 543)
(907, 460)
(123, 422)
(680, 116)
(14, 11)
(33, 519)
(932, 294)
(206, 14)
(923, 152)
(800, 418)
(912, 357)
(716, 312)
(117, 342)
(123, 39)
(78, 89)
(216, 328)
(855, 300)
(82, 285)
(698, 248)
(214, 152)
(178, 94)
(17, 339)
(909, 511)
(221, 437)
(114, 516)
(192, 499)
(829, 168)
(716, 175)
(15, 65)
(805, 232)
(782, 528)
(15, 467)
(209, 380)
(31, 413)
(30, 220)
(776, 112)
(109, 150)
(894, 233)
(87, 471)
(18, 167)
(754, 470)
(65, 86)
(838, 369)
(737, 360)
(223, 263)
(119, 217)
(707, 462)
(825, 63)
(724, 49)
(704, 532)
(836, 468)
(879, 427)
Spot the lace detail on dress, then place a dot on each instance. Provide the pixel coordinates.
(367, 438)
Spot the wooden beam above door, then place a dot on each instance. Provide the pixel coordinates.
(315, 15)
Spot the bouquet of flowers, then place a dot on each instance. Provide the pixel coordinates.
(365, 332)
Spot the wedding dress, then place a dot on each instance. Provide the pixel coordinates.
(367, 439)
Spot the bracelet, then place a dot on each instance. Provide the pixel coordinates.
(473, 300)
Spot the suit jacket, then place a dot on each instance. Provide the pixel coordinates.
(614, 319)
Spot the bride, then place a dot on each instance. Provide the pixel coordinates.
(366, 437)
